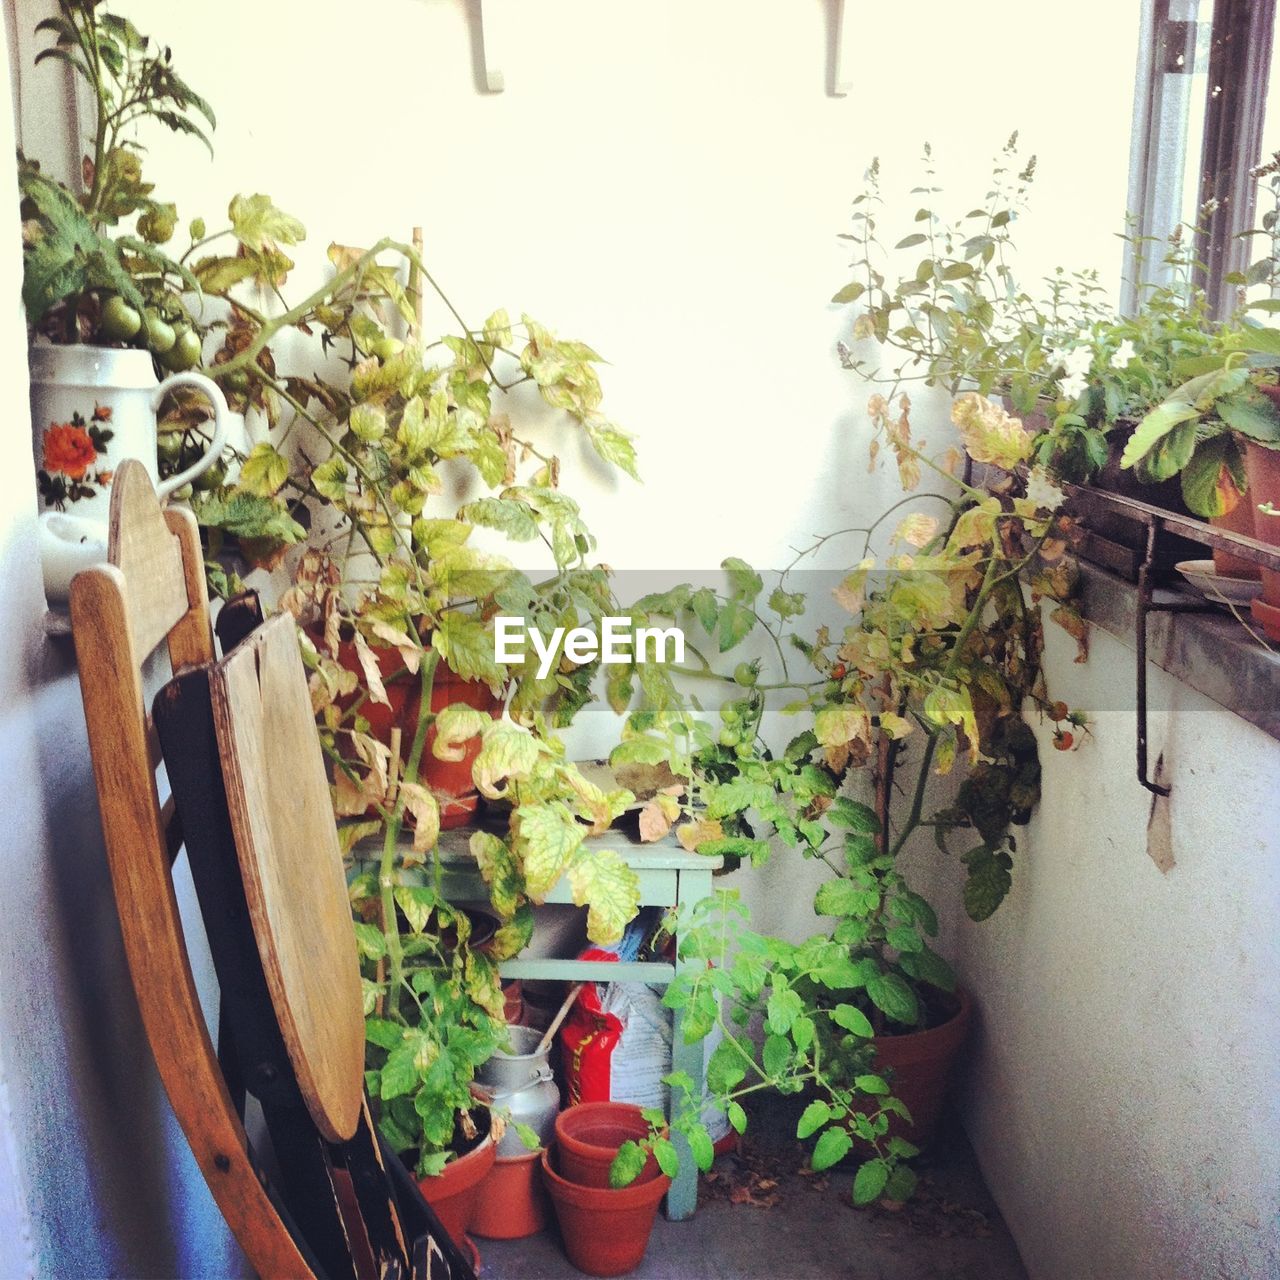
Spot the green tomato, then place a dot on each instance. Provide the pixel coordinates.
(745, 674)
(120, 321)
(744, 751)
(183, 494)
(160, 333)
(214, 478)
(184, 353)
(237, 380)
(385, 348)
(169, 446)
(729, 737)
(729, 712)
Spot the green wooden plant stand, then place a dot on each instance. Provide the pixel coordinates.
(669, 877)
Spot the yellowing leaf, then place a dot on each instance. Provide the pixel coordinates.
(546, 837)
(419, 802)
(508, 752)
(917, 529)
(989, 433)
(894, 725)
(456, 724)
(372, 676)
(260, 226)
(840, 723)
(602, 882)
(498, 867)
(264, 471)
(698, 832)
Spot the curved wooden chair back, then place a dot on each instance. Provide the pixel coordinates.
(152, 593)
(277, 793)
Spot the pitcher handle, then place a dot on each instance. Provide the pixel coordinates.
(214, 451)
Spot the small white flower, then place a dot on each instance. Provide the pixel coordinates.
(1124, 353)
(1078, 362)
(1042, 491)
(1072, 385)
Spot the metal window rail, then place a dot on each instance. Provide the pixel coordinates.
(1156, 521)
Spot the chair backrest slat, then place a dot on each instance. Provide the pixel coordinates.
(120, 613)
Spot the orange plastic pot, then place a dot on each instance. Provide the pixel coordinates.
(589, 1136)
(513, 1199)
(605, 1232)
(1263, 467)
(455, 1193)
(450, 780)
(921, 1065)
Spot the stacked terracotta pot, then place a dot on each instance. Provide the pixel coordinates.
(605, 1232)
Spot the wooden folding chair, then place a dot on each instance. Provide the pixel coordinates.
(265, 862)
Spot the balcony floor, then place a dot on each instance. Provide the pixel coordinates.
(805, 1227)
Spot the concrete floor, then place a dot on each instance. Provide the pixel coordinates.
(760, 1218)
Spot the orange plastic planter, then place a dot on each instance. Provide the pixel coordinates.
(605, 1232)
(455, 1193)
(589, 1136)
(513, 1199)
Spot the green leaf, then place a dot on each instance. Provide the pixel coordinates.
(735, 624)
(852, 1019)
(928, 966)
(893, 997)
(382, 1032)
(664, 1152)
(737, 1117)
(854, 815)
(725, 1068)
(1153, 428)
(902, 1183)
(831, 1147)
(816, 1114)
(841, 897)
(627, 1165)
(783, 1007)
(988, 881)
(850, 293)
(776, 1055)
(870, 1181)
(872, 1084)
(704, 1152)
(1169, 455)
(1252, 414)
(1214, 478)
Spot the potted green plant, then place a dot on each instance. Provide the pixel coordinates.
(103, 297)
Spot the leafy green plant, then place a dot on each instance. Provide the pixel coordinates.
(86, 278)
(1196, 433)
(738, 977)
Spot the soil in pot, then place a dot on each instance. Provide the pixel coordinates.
(1263, 466)
(588, 1137)
(918, 1066)
(455, 1193)
(450, 780)
(513, 1199)
(605, 1232)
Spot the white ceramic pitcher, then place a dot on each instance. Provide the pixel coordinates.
(91, 408)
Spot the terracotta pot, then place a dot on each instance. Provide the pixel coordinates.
(589, 1135)
(1263, 467)
(513, 1199)
(921, 1064)
(455, 1193)
(450, 780)
(512, 1001)
(605, 1232)
(1238, 520)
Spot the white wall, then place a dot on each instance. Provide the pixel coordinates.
(1122, 1087)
